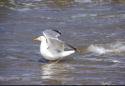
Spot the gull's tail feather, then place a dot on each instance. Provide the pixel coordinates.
(66, 53)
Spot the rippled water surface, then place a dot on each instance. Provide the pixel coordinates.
(95, 27)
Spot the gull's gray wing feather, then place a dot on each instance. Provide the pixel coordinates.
(56, 45)
(53, 44)
(59, 43)
(51, 34)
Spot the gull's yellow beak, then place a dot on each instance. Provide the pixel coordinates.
(36, 39)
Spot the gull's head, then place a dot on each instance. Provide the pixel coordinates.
(39, 38)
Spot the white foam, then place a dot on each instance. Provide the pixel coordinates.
(17, 9)
(118, 47)
(96, 49)
(83, 15)
(115, 61)
(83, 1)
(21, 6)
(105, 83)
(9, 78)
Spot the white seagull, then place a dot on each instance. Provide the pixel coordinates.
(51, 47)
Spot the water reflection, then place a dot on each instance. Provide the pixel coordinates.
(54, 70)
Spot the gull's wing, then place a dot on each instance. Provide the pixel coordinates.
(53, 44)
(58, 43)
(51, 34)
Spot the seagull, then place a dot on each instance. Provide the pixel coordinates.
(51, 47)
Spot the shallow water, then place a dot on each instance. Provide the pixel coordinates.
(95, 27)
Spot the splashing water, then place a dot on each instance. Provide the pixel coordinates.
(118, 47)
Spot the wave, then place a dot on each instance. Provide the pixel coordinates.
(117, 48)
(22, 5)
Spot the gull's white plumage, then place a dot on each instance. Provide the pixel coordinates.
(51, 47)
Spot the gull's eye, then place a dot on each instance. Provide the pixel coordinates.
(40, 38)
